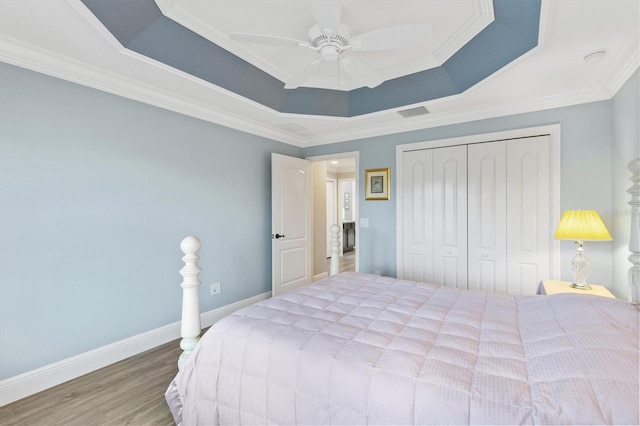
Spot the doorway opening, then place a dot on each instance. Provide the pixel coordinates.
(335, 183)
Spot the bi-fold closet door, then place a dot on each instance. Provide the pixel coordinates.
(477, 216)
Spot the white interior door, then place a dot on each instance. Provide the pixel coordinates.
(291, 223)
(512, 201)
(417, 213)
(450, 216)
(487, 219)
(529, 228)
(435, 216)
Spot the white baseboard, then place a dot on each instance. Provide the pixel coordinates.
(320, 276)
(31, 382)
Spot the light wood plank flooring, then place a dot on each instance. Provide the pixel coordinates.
(347, 262)
(130, 392)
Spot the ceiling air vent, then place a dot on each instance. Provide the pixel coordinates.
(413, 112)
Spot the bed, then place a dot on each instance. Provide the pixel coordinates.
(363, 349)
(358, 348)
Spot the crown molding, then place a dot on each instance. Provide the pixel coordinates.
(173, 10)
(475, 113)
(619, 71)
(483, 15)
(36, 59)
(617, 74)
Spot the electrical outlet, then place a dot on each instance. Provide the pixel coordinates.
(215, 289)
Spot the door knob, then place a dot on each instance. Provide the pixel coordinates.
(277, 236)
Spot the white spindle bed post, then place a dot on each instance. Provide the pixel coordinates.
(335, 249)
(634, 238)
(190, 326)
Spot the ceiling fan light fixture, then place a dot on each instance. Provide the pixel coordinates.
(330, 53)
(329, 45)
(333, 41)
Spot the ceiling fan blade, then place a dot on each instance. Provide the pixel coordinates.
(393, 37)
(328, 15)
(267, 39)
(360, 71)
(302, 74)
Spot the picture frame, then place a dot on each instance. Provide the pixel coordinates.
(377, 184)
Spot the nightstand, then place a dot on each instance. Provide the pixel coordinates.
(554, 286)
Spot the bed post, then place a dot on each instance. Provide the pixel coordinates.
(634, 238)
(335, 249)
(190, 324)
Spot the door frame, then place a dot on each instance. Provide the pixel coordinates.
(553, 131)
(356, 156)
(334, 188)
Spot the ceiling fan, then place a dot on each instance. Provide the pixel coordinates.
(333, 41)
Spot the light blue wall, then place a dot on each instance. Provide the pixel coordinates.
(585, 180)
(626, 146)
(96, 193)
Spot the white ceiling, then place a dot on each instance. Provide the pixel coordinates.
(63, 39)
(458, 21)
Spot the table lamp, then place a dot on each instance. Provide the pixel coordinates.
(580, 226)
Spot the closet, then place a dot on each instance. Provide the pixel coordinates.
(478, 216)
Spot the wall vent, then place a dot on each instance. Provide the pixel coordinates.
(413, 112)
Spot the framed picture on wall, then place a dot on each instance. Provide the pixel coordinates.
(377, 184)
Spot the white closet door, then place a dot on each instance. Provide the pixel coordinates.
(528, 220)
(487, 249)
(418, 215)
(450, 216)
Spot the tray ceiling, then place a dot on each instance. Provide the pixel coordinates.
(485, 59)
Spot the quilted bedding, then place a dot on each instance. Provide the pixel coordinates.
(365, 349)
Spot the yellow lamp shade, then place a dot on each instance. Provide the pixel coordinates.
(581, 225)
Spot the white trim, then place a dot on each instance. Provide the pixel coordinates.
(36, 59)
(618, 71)
(31, 382)
(334, 218)
(475, 113)
(320, 276)
(554, 132)
(481, 16)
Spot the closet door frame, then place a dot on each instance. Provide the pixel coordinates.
(553, 131)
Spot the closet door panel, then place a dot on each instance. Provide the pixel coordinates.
(528, 220)
(418, 215)
(450, 216)
(487, 217)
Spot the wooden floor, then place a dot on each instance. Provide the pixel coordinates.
(130, 392)
(347, 262)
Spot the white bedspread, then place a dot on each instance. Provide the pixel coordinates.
(365, 349)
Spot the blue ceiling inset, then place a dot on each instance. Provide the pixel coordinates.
(141, 27)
